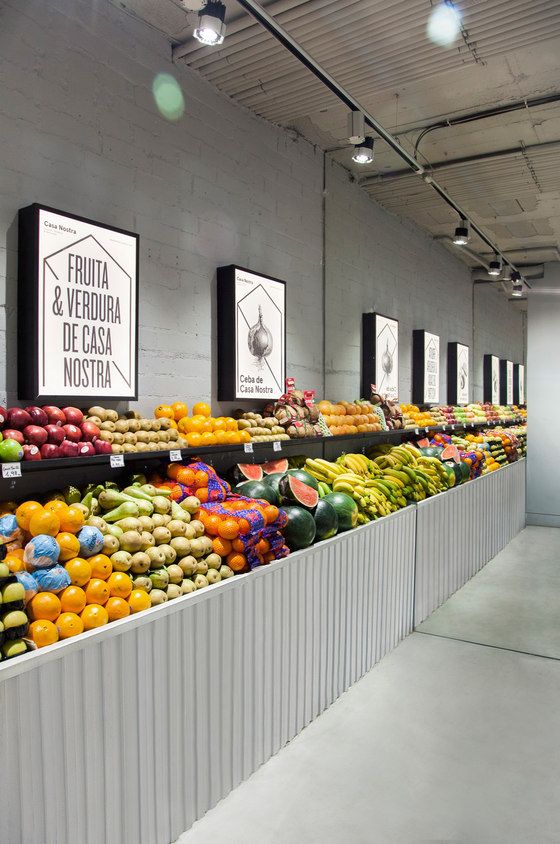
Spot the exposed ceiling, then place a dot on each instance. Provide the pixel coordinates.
(507, 167)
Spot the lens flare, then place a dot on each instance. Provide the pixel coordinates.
(168, 96)
(444, 24)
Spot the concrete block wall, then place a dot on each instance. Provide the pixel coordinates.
(375, 261)
(79, 131)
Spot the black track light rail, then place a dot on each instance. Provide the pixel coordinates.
(273, 27)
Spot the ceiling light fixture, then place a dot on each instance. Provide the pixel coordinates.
(495, 266)
(363, 153)
(516, 284)
(461, 237)
(211, 28)
(356, 127)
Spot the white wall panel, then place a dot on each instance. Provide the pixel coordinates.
(130, 733)
(459, 531)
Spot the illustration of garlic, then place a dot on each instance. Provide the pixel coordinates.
(260, 339)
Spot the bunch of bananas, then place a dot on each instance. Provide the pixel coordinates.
(421, 476)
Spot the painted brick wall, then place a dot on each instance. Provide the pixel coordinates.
(374, 261)
(79, 131)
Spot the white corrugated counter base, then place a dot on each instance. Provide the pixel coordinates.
(130, 733)
(459, 531)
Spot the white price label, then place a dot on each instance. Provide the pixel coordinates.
(277, 445)
(248, 448)
(175, 455)
(11, 470)
(417, 431)
(453, 427)
(116, 461)
(427, 430)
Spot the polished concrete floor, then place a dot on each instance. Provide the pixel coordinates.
(445, 740)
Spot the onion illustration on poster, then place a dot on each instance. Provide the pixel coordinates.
(387, 356)
(509, 382)
(462, 374)
(260, 305)
(495, 380)
(86, 298)
(431, 368)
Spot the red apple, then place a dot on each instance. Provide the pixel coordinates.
(86, 450)
(103, 447)
(35, 435)
(55, 434)
(55, 415)
(90, 431)
(68, 449)
(38, 415)
(12, 434)
(18, 418)
(49, 451)
(31, 452)
(72, 432)
(3, 414)
(73, 415)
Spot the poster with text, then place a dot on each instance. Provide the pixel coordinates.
(387, 356)
(431, 368)
(80, 297)
(495, 399)
(462, 374)
(521, 370)
(509, 382)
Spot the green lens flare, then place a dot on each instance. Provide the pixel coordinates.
(168, 96)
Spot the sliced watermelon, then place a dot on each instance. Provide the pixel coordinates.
(425, 443)
(274, 466)
(451, 452)
(295, 491)
(304, 477)
(248, 472)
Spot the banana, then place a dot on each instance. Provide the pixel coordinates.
(399, 475)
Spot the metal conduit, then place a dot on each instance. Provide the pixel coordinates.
(351, 103)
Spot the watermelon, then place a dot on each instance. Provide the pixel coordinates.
(304, 477)
(300, 531)
(450, 452)
(425, 443)
(326, 520)
(273, 481)
(451, 479)
(431, 451)
(456, 467)
(346, 510)
(275, 466)
(254, 489)
(465, 471)
(247, 472)
(295, 491)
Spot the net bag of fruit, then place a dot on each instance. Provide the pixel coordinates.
(253, 531)
(189, 479)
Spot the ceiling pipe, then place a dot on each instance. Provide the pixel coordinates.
(281, 35)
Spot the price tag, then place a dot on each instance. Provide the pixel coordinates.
(453, 427)
(175, 455)
(277, 445)
(427, 430)
(116, 461)
(248, 448)
(417, 431)
(11, 470)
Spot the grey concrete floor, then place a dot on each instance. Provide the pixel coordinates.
(443, 741)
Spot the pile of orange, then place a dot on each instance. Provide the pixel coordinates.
(226, 532)
(203, 429)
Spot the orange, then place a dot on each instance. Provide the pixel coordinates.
(139, 600)
(69, 624)
(173, 471)
(202, 494)
(232, 437)
(43, 521)
(120, 584)
(73, 599)
(97, 591)
(14, 563)
(231, 423)
(270, 513)
(180, 409)
(221, 437)
(183, 425)
(236, 545)
(212, 525)
(207, 438)
(101, 566)
(56, 506)
(244, 437)
(44, 606)
(263, 546)
(164, 411)
(72, 520)
(221, 546)
(117, 608)
(236, 561)
(185, 475)
(200, 478)
(25, 511)
(219, 424)
(201, 409)
(69, 546)
(206, 426)
(94, 616)
(193, 424)
(229, 529)
(193, 440)
(43, 633)
(79, 571)
(244, 526)
(172, 424)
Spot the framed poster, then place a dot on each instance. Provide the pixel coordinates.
(77, 308)
(251, 335)
(425, 367)
(491, 379)
(506, 382)
(380, 355)
(519, 384)
(457, 373)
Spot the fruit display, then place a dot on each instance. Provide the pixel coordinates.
(130, 432)
(350, 417)
(201, 429)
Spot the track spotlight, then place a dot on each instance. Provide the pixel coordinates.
(356, 127)
(363, 153)
(211, 27)
(461, 237)
(495, 266)
(516, 284)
